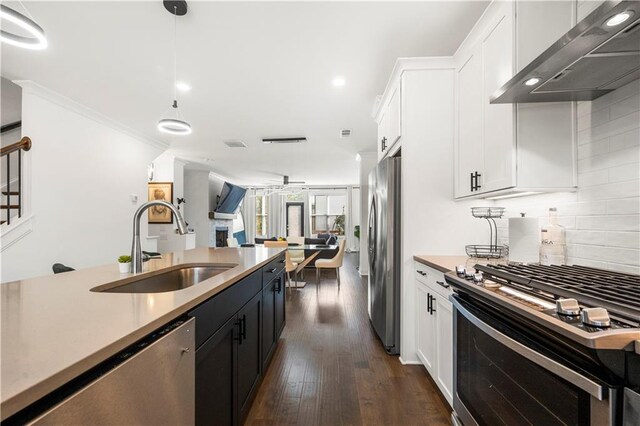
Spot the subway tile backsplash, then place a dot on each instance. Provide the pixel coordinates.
(603, 217)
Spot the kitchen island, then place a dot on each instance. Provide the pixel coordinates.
(55, 328)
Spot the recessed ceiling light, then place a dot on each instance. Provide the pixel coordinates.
(358, 157)
(182, 86)
(339, 81)
(532, 81)
(618, 19)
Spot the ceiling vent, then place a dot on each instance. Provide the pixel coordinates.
(235, 144)
(284, 140)
(345, 133)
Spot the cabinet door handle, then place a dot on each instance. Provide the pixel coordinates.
(279, 289)
(271, 271)
(478, 186)
(428, 303)
(422, 273)
(239, 336)
(443, 284)
(384, 143)
(471, 183)
(244, 327)
(430, 299)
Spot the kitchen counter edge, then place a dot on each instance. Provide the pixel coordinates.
(25, 397)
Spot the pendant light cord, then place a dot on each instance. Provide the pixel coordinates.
(175, 55)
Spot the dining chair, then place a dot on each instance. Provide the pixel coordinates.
(289, 266)
(297, 256)
(333, 263)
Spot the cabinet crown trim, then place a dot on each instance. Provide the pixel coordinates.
(408, 64)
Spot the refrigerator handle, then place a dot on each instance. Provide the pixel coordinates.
(372, 235)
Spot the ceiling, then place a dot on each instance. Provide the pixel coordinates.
(257, 69)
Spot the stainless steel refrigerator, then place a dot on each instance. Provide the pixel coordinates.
(384, 252)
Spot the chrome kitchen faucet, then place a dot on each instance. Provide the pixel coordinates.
(136, 250)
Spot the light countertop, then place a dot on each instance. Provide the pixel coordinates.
(54, 328)
(442, 263)
(449, 263)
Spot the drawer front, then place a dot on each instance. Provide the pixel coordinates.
(433, 279)
(273, 268)
(421, 272)
(212, 314)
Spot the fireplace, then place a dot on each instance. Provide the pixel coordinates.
(219, 231)
(222, 233)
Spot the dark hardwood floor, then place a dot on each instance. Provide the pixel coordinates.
(330, 368)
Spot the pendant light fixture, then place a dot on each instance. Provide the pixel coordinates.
(37, 41)
(175, 124)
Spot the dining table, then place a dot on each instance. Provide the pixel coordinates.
(316, 250)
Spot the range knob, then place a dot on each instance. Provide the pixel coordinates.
(595, 317)
(478, 278)
(469, 275)
(568, 307)
(460, 271)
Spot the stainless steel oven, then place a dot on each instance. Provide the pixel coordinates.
(504, 375)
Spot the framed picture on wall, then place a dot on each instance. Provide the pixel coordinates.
(160, 191)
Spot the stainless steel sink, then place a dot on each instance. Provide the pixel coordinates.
(164, 281)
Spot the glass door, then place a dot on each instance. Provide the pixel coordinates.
(295, 219)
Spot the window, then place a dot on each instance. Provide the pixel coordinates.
(328, 214)
(262, 207)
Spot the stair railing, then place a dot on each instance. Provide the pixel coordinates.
(23, 144)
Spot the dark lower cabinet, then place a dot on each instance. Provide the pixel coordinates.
(280, 311)
(273, 316)
(268, 322)
(229, 368)
(232, 353)
(216, 377)
(249, 353)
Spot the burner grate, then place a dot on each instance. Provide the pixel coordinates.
(618, 292)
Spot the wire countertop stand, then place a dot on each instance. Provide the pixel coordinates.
(493, 250)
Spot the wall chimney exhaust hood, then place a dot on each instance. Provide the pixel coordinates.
(600, 54)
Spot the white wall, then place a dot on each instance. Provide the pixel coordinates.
(196, 194)
(84, 169)
(368, 161)
(168, 168)
(215, 188)
(603, 217)
(353, 218)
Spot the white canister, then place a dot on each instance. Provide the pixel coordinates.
(524, 239)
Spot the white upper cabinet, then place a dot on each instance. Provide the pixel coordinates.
(498, 129)
(394, 130)
(383, 121)
(508, 148)
(469, 122)
(389, 121)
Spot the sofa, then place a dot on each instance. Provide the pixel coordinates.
(324, 254)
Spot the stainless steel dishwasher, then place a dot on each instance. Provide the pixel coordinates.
(150, 383)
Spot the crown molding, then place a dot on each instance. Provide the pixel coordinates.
(34, 88)
(403, 65)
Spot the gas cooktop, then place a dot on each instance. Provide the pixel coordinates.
(597, 308)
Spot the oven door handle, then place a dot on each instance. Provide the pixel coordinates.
(584, 383)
